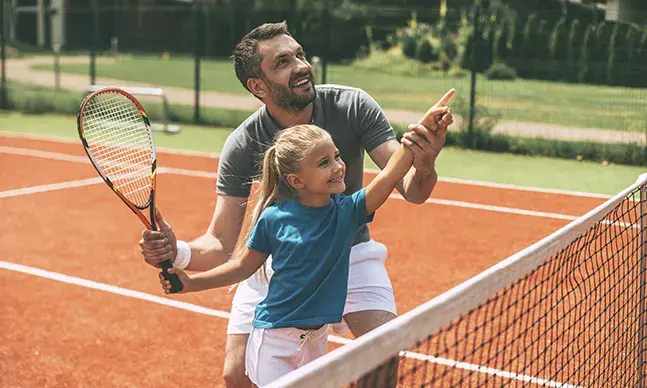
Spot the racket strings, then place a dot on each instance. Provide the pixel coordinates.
(121, 145)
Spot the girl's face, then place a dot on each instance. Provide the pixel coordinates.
(322, 171)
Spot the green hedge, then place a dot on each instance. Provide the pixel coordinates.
(618, 153)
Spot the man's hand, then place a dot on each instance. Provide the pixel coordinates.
(158, 246)
(427, 138)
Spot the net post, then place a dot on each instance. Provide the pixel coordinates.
(643, 285)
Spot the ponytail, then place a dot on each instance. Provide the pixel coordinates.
(264, 197)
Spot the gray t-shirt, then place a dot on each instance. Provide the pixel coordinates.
(354, 120)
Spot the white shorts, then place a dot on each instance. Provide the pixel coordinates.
(369, 288)
(273, 353)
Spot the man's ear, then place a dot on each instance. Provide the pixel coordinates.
(295, 181)
(257, 87)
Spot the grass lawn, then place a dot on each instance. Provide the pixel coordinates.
(457, 163)
(563, 104)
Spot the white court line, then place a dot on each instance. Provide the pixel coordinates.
(484, 369)
(223, 314)
(212, 175)
(74, 140)
(500, 209)
(186, 172)
(524, 188)
(51, 187)
(173, 151)
(44, 154)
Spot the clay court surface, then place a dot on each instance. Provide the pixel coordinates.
(80, 308)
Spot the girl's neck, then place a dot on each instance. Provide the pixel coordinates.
(313, 199)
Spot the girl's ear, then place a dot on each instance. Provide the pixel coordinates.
(295, 181)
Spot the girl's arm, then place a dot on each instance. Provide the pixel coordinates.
(400, 162)
(381, 187)
(231, 272)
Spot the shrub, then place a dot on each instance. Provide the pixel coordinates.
(409, 46)
(425, 51)
(449, 47)
(573, 50)
(502, 46)
(501, 71)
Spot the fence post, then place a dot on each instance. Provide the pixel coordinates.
(197, 54)
(57, 67)
(95, 41)
(3, 57)
(473, 60)
(326, 52)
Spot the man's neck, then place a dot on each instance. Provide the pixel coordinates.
(285, 119)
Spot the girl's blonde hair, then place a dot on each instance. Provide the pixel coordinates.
(284, 157)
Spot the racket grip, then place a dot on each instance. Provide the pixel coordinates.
(176, 284)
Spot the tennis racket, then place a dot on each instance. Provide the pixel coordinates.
(117, 137)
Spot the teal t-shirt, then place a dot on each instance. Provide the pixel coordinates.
(310, 250)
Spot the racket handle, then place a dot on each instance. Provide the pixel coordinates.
(176, 284)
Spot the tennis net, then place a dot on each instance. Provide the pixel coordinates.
(568, 311)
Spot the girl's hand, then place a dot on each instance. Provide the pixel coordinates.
(184, 278)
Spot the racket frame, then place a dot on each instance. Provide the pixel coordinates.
(150, 224)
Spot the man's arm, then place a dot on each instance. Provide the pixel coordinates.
(416, 186)
(207, 251)
(217, 244)
(425, 139)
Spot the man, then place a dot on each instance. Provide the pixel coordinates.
(273, 67)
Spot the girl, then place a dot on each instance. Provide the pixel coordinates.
(309, 237)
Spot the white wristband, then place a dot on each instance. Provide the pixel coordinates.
(183, 256)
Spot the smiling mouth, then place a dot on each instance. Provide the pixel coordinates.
(337, 180)
(301, 82)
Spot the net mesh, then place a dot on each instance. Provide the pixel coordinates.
(574, 317)
(120, 144)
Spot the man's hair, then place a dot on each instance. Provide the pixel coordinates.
(247, 60)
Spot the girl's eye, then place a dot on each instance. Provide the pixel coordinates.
(337, 157)
(323, 163)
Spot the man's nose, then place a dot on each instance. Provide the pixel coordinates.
(303, 65)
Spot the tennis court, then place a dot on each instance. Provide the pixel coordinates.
(80, 307)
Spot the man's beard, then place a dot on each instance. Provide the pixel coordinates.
(286, 99)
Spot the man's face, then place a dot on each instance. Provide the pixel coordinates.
(287, 74)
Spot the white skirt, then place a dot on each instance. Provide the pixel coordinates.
(273, 353)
